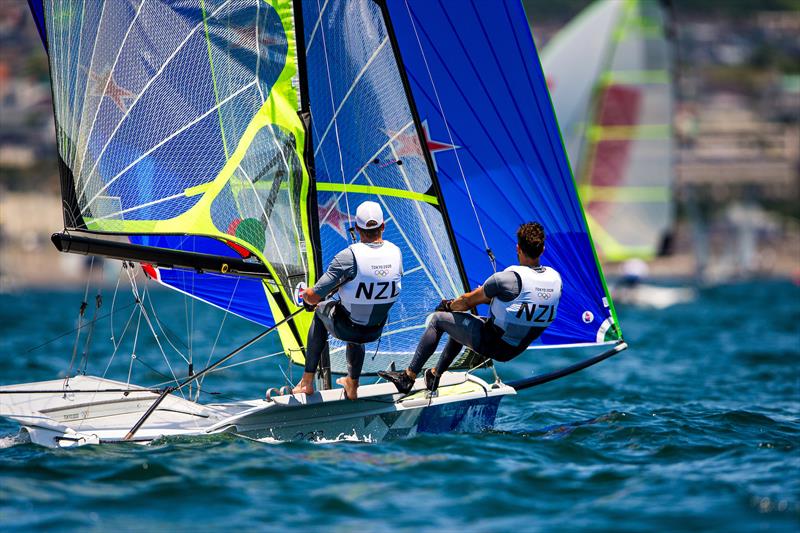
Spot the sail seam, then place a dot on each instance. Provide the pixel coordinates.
(167, 139)
(110, 77)
(408, 242)
(316, 25)
(214, 77)
(335, 124)
(424, 220)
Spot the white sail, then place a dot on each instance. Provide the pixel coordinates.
(610, 80)
(573, 61)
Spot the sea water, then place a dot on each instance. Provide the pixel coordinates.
(695, 427)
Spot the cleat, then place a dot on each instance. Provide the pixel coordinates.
(401, 380)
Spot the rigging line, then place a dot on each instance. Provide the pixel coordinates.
(186, 314)
(452, 141)
(415, 317)
(408, 241)
(285, 377)
(29, 350)
(206, 370)
(267, 220)
(489, 136)
(335, 122)
(148, 366)
(150, 324)
(113, 303)
(349, 92)
(158, 388)
(219, 333)
(164, 329)
(191, 321)
(133, 350)
(290, 176)
(143, 312)
(108, 80)
(122, 337)
(85, 356)
(80, 323)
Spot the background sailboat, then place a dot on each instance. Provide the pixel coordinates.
(227, 141)
(610, 73)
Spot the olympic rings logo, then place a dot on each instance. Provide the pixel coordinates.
(544, 295)
(381, 273)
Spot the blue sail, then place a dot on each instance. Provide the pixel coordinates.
(479, 88)
(242, 296)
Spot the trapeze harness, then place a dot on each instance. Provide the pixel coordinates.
(513, 325)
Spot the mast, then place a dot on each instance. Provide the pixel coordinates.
(308, 157)
(435, 188)
(308, 147)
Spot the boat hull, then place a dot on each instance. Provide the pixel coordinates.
(463, 403)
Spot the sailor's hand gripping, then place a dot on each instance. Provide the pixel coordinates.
(310, 299)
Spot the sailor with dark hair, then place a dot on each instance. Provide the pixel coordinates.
(367, 275)
(523, 302)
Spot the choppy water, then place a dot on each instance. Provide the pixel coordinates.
(697, 426)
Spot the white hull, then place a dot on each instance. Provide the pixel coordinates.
(653, 296)
(62, 419)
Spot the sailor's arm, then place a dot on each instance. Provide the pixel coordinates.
(470, 300)
(503, 285)
(341, 269)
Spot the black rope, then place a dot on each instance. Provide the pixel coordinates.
(85, 356)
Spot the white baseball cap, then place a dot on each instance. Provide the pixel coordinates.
(369, 215)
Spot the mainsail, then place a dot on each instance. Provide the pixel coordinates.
(609, 76)
(369, 145)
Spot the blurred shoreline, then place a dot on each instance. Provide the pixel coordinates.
(29, 260)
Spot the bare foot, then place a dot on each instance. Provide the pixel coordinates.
(350, 387)
(306, 385)
(303, 388)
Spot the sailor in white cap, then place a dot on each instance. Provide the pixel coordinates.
(367, 275)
